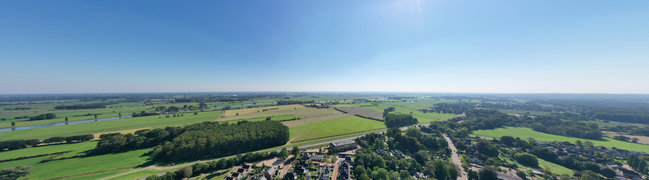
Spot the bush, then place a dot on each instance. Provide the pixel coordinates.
(526, 159)
(15, 173)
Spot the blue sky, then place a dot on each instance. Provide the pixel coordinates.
(74, 46)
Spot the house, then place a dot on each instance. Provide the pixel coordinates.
(270, 172)
(342, 146)
(316, 158)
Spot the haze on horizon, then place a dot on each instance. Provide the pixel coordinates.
(583, 46)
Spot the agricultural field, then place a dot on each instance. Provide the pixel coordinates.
(303, 114)
(333, 127)
(242, 112)
(47, 150)
(71, 166)
(641, 139)
(411, 107)
(111, 126)
(361, 111)
(525, 133)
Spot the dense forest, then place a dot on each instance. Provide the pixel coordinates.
(399, 120)
(220, 139)
(199, 140)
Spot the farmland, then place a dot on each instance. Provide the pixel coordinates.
(333, 127)
(525, 133)
(110, 126)
(410, 107)
(363, 112)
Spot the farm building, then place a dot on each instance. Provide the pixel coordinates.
(342, 146)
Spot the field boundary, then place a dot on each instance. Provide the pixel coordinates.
(34, 156)
(371, 118)
(89, 173)
(324, 137)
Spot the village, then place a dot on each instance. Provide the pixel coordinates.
(322, 163)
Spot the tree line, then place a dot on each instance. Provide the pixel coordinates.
(43, 117)
(19, 144)
(83, 106)
(399, 120)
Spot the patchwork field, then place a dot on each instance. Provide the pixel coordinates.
(305, 115)
(241, 112)
(641, 139)
(525, 133)
(110, 126)
(364, 112)
(333, 127)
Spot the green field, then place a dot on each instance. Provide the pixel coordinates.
(76, 147)
(273, 118)
(333, 127)
(88, 164)
(525, 133)
(554, 168)
(72, 166)
(110, 126)
(411, 107)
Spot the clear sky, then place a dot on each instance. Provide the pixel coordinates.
(554, 46)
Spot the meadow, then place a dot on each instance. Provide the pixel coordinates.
(71, 166)
(525, 133)
(411, 107)
(111, 126)
(333, 127)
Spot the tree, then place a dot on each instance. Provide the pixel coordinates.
(283, 154)
(295, 151)
(422, 156)
(521, 174)
(507, 140)
(15, 173)
(364, 177)
(589, 175)
(187, 171)
(394, 175)
(441, 170)
(380, 174)
(488, 173)
(526, 159)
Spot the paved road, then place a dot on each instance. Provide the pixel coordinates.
(456, 158)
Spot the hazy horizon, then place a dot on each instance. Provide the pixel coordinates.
(53, 47)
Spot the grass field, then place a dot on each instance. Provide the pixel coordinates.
(525, 133)
(333, 127)
(76, 147)
(273, 118)
(546, 165)
(408, 107)
(110, 126)
(71, 166)
(238, 112)
(88, 164)
(554, 168)
(73, 115)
